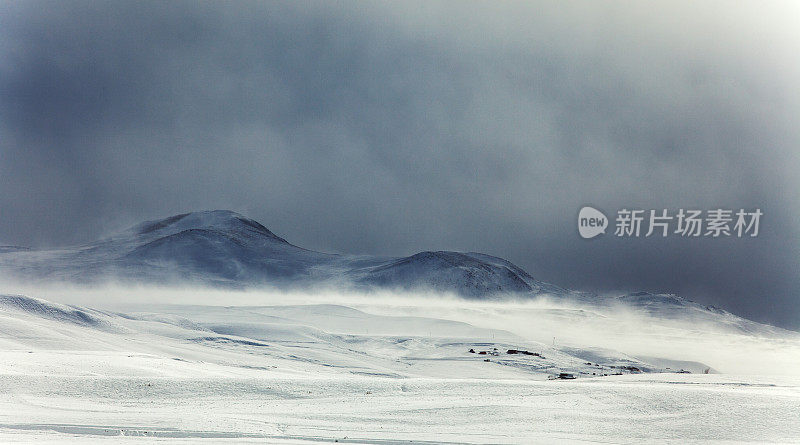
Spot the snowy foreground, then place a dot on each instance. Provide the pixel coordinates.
(384, 371)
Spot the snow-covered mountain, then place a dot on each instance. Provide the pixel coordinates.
(224, 247)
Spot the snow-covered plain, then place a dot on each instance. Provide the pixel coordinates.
(205, 365)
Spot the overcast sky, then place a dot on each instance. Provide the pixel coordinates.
(389, 129)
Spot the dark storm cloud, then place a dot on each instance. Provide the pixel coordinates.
(378, 128)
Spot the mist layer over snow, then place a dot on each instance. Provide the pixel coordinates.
(669, 328)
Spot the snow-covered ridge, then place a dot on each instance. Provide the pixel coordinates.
(46, 309)
(59, 313)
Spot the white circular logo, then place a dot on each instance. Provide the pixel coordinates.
(591, 222)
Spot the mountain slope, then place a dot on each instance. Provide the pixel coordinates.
(445, 271)
(671, 307)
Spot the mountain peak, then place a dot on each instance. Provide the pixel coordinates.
(222, 220)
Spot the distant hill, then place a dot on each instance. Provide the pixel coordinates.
(221, 247)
